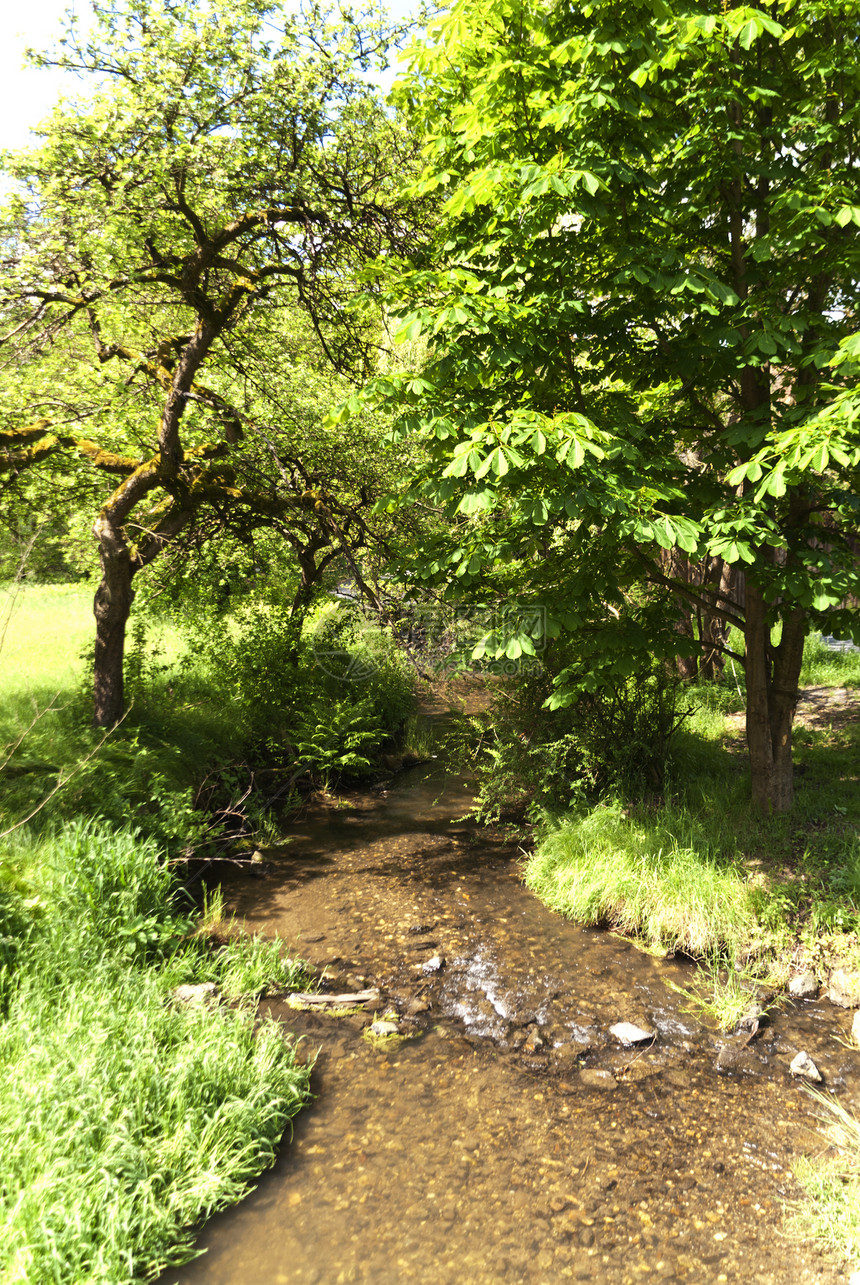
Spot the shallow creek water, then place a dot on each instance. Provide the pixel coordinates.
(513, 1140)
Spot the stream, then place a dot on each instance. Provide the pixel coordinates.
(513, 1139)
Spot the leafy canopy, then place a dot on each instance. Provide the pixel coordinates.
(641, 331)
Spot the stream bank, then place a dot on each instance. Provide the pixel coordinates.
(514, 1138)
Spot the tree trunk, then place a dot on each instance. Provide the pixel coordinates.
(714, 630)
(111, 609)
(772, 675)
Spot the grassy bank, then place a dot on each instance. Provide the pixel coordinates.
(699, 870)
(663, 879)
(126, 1116)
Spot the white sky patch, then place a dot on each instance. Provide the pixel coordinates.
(27, 94)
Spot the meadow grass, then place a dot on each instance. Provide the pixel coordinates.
(126, 1117)
(148, 768)
(43, 631)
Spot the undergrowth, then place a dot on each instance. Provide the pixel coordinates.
(204, 725)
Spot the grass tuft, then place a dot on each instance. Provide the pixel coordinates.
(831, 1215)
(725, 995)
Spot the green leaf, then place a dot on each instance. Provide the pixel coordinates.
(477, 501)
(820, 459)
(411, 329)
(775, 484)
(847, 214)
(747, 34)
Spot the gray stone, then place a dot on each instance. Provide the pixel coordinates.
(384, 1028)
(570, 1052)
(593, 1078)
(844, 988)
(751, 1021)
(433, 965)
(804, 1066)
(197, 993)
(803, 986)
(627, 1034)
(736, 1055)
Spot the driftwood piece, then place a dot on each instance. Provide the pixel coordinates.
(302, 999)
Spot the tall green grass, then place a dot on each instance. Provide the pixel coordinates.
(126, 1117)
(825, 668)
(660, 877)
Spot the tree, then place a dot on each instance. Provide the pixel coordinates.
(231, 162)
(640, 332)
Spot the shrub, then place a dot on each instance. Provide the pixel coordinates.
(617, 738)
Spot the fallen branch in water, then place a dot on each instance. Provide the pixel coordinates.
(300, 999)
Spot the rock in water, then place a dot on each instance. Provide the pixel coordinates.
(736, 1055)
(804, 1065)
(803, 986)
(433, 965)
(628, 1034)
(750, 1022)
(844, 988)
(597, 1079)
(384, 1028)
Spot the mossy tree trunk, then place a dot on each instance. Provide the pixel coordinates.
(112, 606)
